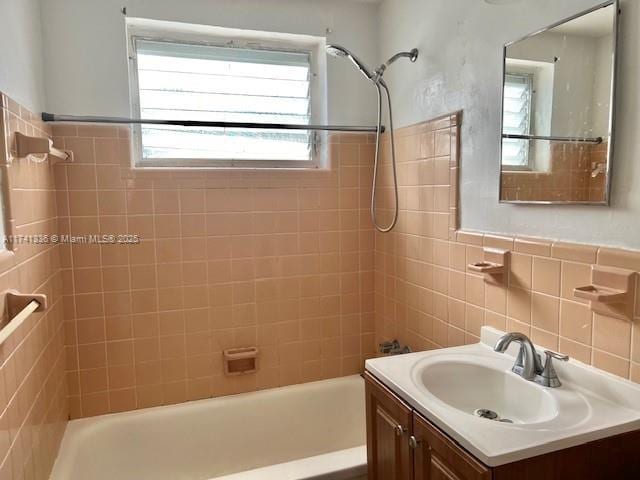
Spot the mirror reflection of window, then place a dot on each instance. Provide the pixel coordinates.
(518, 92)
(557, 91)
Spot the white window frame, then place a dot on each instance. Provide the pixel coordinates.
(163, 31)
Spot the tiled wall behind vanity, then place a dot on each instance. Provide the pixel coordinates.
(426, 296)
(282, 260)
(33, 400)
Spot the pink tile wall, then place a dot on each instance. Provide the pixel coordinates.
(285, 261)
(33, 398)
(282, 260)
(426, 295)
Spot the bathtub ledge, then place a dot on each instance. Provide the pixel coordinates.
(347, 464)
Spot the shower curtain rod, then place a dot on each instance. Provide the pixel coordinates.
(51, 117)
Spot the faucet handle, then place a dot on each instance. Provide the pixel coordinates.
(549, 377)
(389, 346)
(558, 356)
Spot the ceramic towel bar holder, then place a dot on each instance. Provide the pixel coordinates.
(19, 309)
(26, 145)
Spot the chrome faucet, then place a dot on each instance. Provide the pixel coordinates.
(394, 348)
(528, 363)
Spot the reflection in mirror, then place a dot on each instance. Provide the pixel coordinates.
(558, 92)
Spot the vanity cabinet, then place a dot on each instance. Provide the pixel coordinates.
(435, 457)
(402, 445)
(389, 424)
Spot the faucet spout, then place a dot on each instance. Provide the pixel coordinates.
(528, 363)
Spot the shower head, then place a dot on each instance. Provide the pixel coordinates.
(412, 55)
(339, 51)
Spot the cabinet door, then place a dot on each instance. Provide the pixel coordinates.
(388, 430)
(438, 458)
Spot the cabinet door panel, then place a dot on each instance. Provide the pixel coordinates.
(388, 430)
(439, 458)
(438, 471)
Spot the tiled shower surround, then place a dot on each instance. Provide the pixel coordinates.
(33, 394)
(287, 261)
(281, 260)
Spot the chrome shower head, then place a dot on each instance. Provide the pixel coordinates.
(340, 51)
(412, 55)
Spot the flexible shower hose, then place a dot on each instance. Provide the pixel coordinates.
(377, 158)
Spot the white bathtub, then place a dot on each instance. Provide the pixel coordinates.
(310, 431)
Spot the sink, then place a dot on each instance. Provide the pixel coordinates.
(471, 394)
(476, 390)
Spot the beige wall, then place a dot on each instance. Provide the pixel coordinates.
(460, 68)
(426, 296)
(281, 260)
(77, 84)
(33, 403)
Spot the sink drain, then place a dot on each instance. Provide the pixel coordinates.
(485, 413)
(490, 415)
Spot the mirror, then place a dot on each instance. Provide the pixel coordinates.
(557, 111)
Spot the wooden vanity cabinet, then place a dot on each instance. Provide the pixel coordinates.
(402, 445)
(388, 428)
(435, 457)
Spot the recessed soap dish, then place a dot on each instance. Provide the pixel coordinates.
(240, 361)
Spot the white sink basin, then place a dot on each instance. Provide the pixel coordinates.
(449, 386)
(471, 388)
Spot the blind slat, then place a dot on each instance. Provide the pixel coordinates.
(229, 84)
(179, 65)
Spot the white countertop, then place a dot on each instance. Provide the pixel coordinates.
(590, 404)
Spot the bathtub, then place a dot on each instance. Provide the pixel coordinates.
(309, 431)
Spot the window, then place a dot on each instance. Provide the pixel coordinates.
(518, 92)
(231, 79)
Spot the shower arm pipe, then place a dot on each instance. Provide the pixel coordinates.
(379, 86)
(51, 117)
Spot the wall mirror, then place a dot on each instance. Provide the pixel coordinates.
(558, 111)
